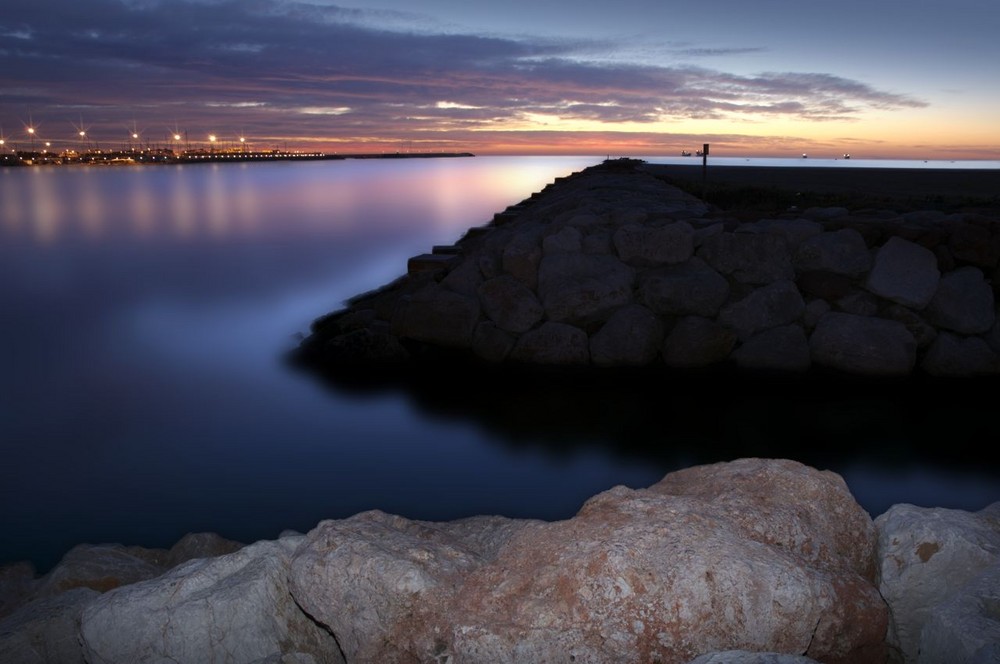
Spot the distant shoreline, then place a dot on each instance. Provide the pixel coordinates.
(152, 157)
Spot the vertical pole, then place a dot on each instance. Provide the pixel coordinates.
(704, 167)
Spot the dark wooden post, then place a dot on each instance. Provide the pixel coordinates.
(704, 168)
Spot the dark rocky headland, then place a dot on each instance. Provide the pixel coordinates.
(619, 273)
(613, 267)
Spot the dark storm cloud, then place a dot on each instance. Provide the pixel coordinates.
(257, 61)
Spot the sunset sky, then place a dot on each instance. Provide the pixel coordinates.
(875, 78)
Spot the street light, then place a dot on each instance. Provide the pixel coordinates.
(176, 133)
(134, 135)
(30, 127)
(81, 131)
(211, 140)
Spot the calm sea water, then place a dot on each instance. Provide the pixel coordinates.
(143, 391)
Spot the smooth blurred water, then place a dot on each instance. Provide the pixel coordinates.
(143, 393)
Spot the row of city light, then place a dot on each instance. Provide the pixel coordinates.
(32, 132)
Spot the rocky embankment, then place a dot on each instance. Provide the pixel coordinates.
(753, 561)
(613, 267)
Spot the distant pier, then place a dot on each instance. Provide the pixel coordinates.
(144, 157)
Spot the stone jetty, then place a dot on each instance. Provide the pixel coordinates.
(613, 266)
(752, 561)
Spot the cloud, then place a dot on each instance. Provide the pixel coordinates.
(696, 52)
(296, 67)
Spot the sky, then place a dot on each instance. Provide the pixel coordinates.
(871, 78)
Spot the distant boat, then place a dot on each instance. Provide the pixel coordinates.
(685, 153)
(847, 155)
(700, 153)
(805, 156)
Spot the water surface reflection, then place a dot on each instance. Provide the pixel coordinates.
(144, 392)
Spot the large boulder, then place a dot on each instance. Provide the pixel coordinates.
(581, 288)
(750, 258)
(17, 581)
(510, 304)
(631, 337)
(692, 287)
(863, 345)
(100, 567)
(966, 628)
(963, 302)
(933, 564)
(47, 630)
(952, 355)
(697, 342)
(841, 252)
(748, 657)
(364, 576)
(436, 315)
(782, 348)
(751, 555)
(904, 272)
(555, 344)
(645, 246)
(233, 608)
(765, 307)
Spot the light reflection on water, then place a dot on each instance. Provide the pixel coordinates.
(142, 394)
(248, 199)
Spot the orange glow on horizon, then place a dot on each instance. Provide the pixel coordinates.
(881, 135)
(922, 134)
(905, 143)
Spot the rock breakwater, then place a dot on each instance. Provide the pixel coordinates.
(613, 267)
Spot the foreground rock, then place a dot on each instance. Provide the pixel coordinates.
(753, 561)
(613, 267)
(754, 555)
(233, 608)
(940, 572)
